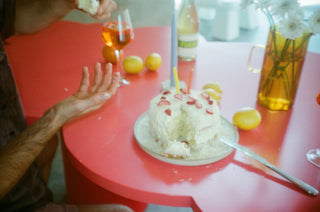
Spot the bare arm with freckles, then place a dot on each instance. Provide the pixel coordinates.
(19, 154)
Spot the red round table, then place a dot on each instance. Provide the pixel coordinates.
(103, 162)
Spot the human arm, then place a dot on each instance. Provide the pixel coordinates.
(19, 154)
(35, 15)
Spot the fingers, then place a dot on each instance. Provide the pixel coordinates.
(97, 78)
(114, 84)
(84, 84)
(108, 83)
(82, 102)
(104, 10)
(106, 79)
(104, 84)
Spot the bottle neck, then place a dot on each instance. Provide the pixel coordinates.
(187, 4)
(188, 17)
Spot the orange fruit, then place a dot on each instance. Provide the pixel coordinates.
(109, 54)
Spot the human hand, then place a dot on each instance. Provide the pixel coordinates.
(103, 11)
(88, 98)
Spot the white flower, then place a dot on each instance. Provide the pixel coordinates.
(245, 3)
(292, 27)
(314, 22)
(282, 7)
(264, 4)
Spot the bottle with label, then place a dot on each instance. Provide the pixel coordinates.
(188, 30)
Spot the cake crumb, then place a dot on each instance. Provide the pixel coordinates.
(90, 6)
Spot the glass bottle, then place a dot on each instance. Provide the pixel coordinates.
(188, 30)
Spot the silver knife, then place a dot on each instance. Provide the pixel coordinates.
(304, 186)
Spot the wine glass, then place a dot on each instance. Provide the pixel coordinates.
(118, 33)
(313, 155)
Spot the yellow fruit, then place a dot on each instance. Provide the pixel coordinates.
(109, 54)
(247, 118)
(213, 93)
(153, 61)
(213, 85)
(132, 64)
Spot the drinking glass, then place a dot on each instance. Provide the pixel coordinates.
(118, 33)
(313, 155)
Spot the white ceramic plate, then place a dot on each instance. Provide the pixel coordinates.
(216, 152)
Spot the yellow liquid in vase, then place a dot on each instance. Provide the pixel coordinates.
(274, 103)
(280, 75)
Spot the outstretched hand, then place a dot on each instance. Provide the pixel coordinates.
(89, 98)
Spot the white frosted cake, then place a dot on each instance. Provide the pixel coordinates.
(183, 123)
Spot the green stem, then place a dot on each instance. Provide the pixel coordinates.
(287, 87)
(275, 68)
(270, 19)
(305, 38)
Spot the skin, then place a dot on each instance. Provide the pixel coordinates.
(19, 154)
(36, 15)
(30, 146)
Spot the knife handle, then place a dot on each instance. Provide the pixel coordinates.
(304, 186)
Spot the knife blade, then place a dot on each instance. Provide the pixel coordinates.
(302, 185)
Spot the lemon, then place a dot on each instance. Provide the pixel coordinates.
(213, 93)
(153, 61)
(247, 118)
(213, 85)
(132, 64)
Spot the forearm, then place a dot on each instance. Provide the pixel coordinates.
(19, 154)
(35, 15)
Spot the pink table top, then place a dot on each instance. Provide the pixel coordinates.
(47, 67)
